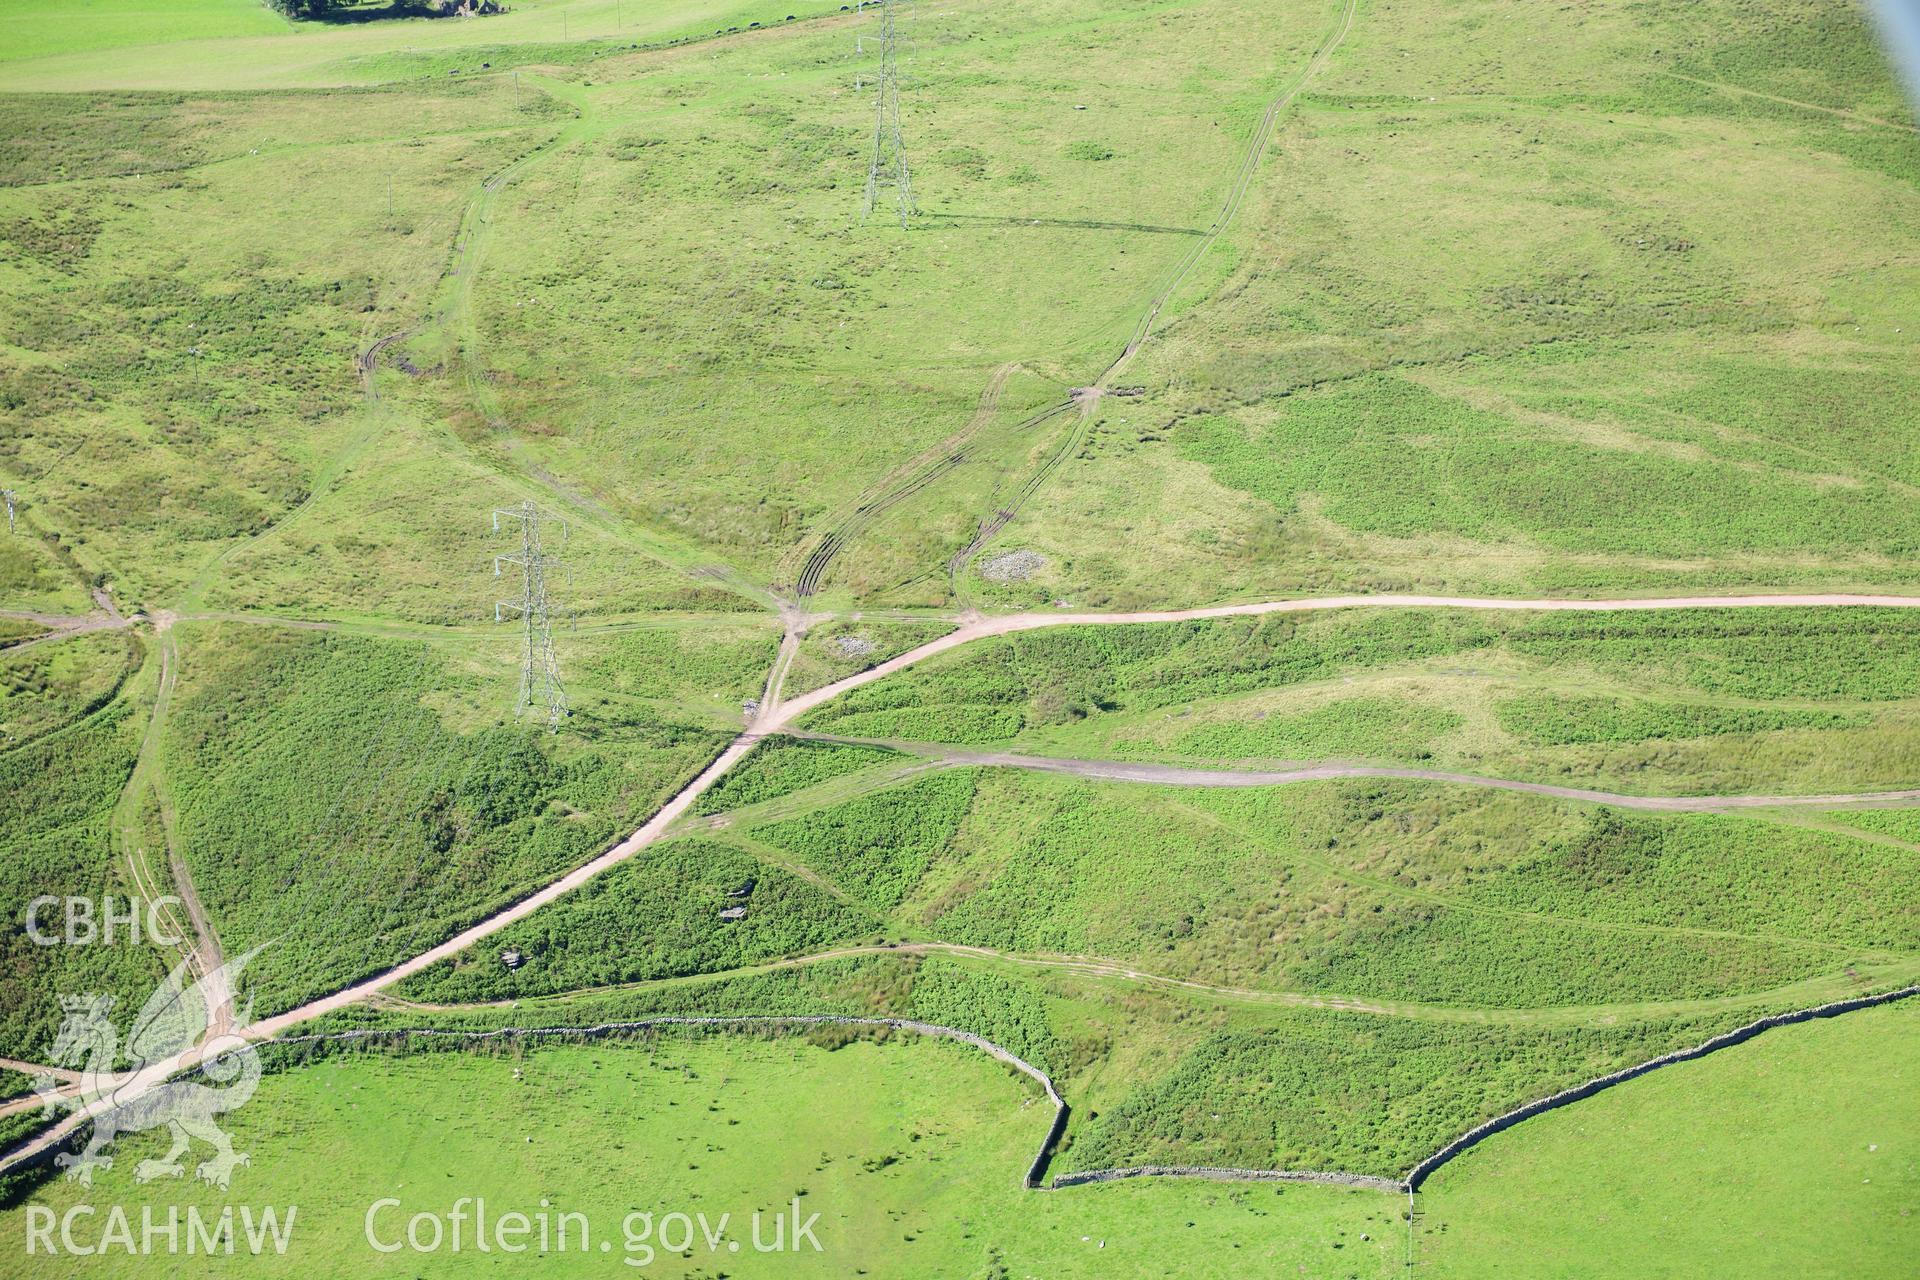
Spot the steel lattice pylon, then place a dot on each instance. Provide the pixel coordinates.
(887, 166)
(539, 669)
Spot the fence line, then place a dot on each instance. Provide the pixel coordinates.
(1035, 1176)
(1472, 1137)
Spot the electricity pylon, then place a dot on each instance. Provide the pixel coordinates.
(8, 495)
(539, 670)
(887, 166)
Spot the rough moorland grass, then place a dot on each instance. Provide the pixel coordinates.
(1901, 823)
(658, 916)
(908, 1150)
(644, 391)
(405, 531)
(1684, 305)
(1737, 876)
(1343, 1091)
(188, 329)
(1379, 890)
(1388, 457)
(1558, 720)
(1611, 370)
(1034, 682)
(1510, 392)
(1367, 727)
(1687, 703)
(1441, 893)
(51, 685)
(1727, 873)
(1791, 1155)
(1598, 380)
(994, 688)
(845, 647)
(57, 794)
(1460, 718)
(351, 800)
(1008, 1008)
(880, 847)
(696, 674)
(33, 576)
(781, 766)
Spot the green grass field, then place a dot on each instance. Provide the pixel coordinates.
(1259, 443)
(1165, 1072)
(223, 44)
(1430, 908)
(38, 29)
(1687, 1171)
(1203, 301)
(910, 1152)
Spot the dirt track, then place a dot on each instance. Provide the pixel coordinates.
(1009, 624)
(1173, 775)
(1242, 182)
(1103, 967)
(60, 626)
(776, 716)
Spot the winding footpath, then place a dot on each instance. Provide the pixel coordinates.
(937, 462)
(1174, 775)
(62, 626)
(1798, 993)
(980, 628)
(776, 715)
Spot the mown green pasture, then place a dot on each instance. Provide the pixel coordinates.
(68, 45)
(37, 29)
(909, 1151)
(1743, 1163)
